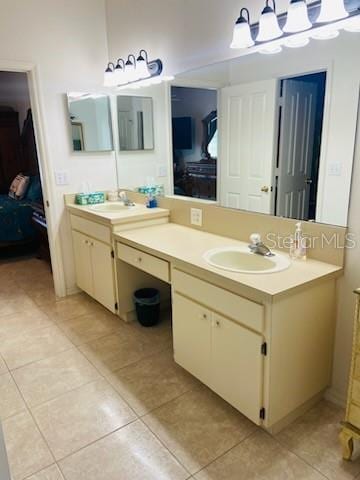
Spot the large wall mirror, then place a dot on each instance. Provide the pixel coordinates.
(270, 134)
(90, 122)
(135, 123)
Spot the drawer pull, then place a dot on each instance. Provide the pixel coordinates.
(138, 260)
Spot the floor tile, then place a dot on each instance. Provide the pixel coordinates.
(41, 293)
(50, 473)
(10, 398)
(15, 302)
(119, 350)
(22, 322)
(152, 382)
(46, 379)
(91, 326)
(131, 453)
(198, 427)
(26, 449)
(259, 457)
(70, 307)
(34, 345)
(82, 416)
(314, 437)
(158, 333)
(3, 367)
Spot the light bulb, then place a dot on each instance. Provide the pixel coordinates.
(130, 73)
(119, 74)
(332, 10)
(242, 37)
(268, 25)
(297, 17)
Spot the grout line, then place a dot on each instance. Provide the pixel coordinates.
(67, 349)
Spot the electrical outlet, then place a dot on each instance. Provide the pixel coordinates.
(62, 177)
(196, 217)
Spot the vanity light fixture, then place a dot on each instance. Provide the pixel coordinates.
(297, 17)
(135, 72)
(142, 64)
(269, 28)
(242, 37)
(332, 10)
(319, 20)
(109, 75)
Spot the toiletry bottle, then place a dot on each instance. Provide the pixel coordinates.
(300, 247)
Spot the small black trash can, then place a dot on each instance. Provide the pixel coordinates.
(147, 304)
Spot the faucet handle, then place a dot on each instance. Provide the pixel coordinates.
(255, 238)
(123, 195)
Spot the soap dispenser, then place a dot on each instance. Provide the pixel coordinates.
(299, 243)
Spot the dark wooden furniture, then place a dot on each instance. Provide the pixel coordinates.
(201, 180)
(40, 225)
(10, 148)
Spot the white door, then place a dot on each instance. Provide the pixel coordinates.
(83, 267)
(296, 149)
(192, 337)
(248, 131)
(237, 366)
(103, 274)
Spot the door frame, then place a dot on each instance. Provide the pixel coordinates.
(45, 167)
(327, 68)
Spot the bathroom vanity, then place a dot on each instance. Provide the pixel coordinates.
(262, 342)
(92, 230)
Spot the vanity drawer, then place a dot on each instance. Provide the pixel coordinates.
(95, 230)
(143, 261)
(233, 306)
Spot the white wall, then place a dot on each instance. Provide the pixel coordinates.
(67, 42)
(191, 34)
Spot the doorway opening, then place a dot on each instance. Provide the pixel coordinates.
(194, 139)
(301, 115)
(23, 226)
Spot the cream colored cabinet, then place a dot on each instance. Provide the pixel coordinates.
(83, 268)
(192, 337)
(237, 365)
(94, 269)
(221, 353)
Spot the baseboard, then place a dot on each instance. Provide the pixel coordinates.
(334, 396)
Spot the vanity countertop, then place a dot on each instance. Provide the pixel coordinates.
(131, 214)
(185, 247)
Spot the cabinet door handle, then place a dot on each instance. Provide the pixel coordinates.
(204, 316)
(139, 260)
(217, 323)
(86, 242)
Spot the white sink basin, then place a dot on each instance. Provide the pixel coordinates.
(241, 260)
(111, 207)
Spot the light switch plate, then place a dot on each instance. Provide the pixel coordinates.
(196, 217)
(61, 177)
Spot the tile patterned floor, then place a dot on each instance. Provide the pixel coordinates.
(84, 396)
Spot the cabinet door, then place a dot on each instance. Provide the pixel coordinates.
(237, 366)
(103, 274)
(84, 279)
(192, 337)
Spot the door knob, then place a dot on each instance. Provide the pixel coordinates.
(265, 189)
(308, 181)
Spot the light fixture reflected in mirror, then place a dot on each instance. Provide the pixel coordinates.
(297, 17)
(271, 49)
(109, 75)
(269, 28)
(297, 42)
(119, 73)
(332, 10)
(242, 37)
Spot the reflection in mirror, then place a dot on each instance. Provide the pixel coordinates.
(195, 133)
(90, 119)
(287, 126)
(135, 123)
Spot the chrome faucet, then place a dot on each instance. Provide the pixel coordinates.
(127, 203)
(258, 247)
